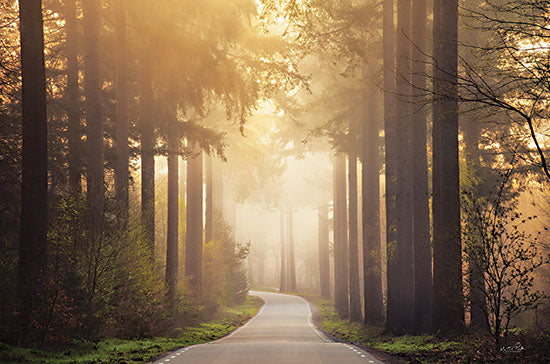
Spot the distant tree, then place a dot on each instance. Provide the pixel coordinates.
(283, 270)
(74, 144)
(448, 309)
(122, 179)
(370, 161)
(324, 256)
(172, 243)
(209, 198)
(194, 223)
(33, 246)
(147, 133)
(291, 258)
(419, 177)
(94, 117)
(341, 291)
(353, 246)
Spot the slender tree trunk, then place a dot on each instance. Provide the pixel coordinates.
(355, 313)
(209, 213)
(282, 285)
(33, 244)
(74, 153)
(448, 310)
(372, 264)
(341, 292)
(478, 303)
(171, 276)
(324, 258)
(250, 271)
(291, 258)
(94, 116)
(404, 247)
(122, 149)
(419, 163)
(217, 188)
(147, 152)
(194, 233)
(390, 129)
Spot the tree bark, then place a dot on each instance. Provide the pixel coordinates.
(209, 211)
(478, 304)
(194, 224)
(355, 313)
(74, 152)
(390, 129)
(122, 148)
(33, 246)
(282, 278)
(147, 130)
(404, 310)
(448, 310)
(171, 276)
(94, 116)
(372, 264)
(291, 259)
(324, 258)
(341, 292)
(419, 163)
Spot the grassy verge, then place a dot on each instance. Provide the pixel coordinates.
(465, 348)
(136, 351)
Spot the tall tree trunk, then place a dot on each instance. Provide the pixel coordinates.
(209, 211)
(478, 303)
(147, 130)
(194, 224)
(448, 310)
(324, 256)
(341, 292)
(171, 276)
(282, 278)
(217, 187)
(355, 313)
(390, 130)
(419, 163)
(33, 246)
(94, 116)
(74, 153)
(372, 264)
(291, 258)
(122, 149)
(404, 247)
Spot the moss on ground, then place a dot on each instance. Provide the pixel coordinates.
(136, 351)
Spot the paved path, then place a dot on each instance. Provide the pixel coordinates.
(280, 333)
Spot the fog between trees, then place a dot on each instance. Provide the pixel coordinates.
(160, 158)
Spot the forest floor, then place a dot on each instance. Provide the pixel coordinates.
(136, 351)
(464, 348)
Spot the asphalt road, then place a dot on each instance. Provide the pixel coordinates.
(281, 332)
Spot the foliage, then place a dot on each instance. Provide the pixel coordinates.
(224, 277)
(136, 351)
(496, 242)
(510, 78)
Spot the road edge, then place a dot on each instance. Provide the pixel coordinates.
(378, 354)
(169, 353)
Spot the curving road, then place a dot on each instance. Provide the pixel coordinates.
(281, 332)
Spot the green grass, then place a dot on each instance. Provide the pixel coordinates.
(465, 348)
(136, 351)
